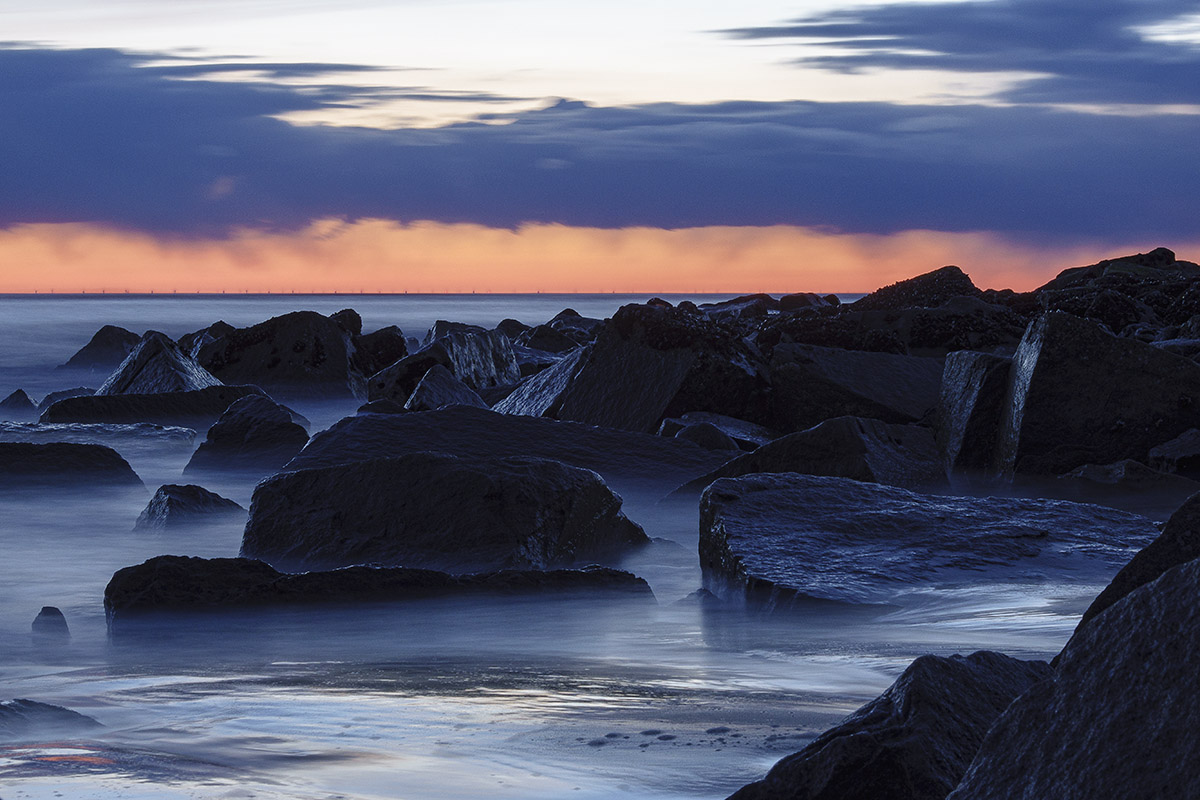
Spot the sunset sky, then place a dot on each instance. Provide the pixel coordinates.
(651, 146)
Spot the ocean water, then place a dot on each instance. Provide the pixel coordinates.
(545, 699)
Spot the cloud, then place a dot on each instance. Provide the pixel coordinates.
(96, 136)
(1085, 51)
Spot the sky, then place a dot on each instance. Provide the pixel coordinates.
(529, 145)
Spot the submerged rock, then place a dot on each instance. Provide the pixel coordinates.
(775, 541)
(439, 388)
(255, 433)
(50, 627)
(61, 465)
(197, 409)
(157, 365)
(18, 407)
(175, 505)
(913, 742)
(438, 511)
(106, 349)
(20, 719)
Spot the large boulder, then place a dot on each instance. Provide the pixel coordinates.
(63, 465)
(1120, 717)
(478, 359)
(192, 343)
(813, 384)
(913, 742)
(178, 506)
(847, 447)
(1079, 395)
(777, 541)
(634, 464)
(18, 407)
(301, 354)
(374, 351)
(106, 349)
(439, 388)
(195, 409)
(971, 410)
(182, 584)
(924, 291)
(438, 511)
(154, 366)
(25, 719)
(254, 434)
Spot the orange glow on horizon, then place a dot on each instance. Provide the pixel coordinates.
(428, 257)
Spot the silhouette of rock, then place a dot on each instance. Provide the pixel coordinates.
(479, 360)
(924, 291)
(439, 388)
(913, 742)
(374, 351)
(106, 349)
(512, 328)
(777, 541)
(803, 300)
(24, 719)
(438, 511)
(63, 465)
(254, 434)
(18, 407)
(196, 409)
(50, 627)
(349, 319)
(157, 365)
(176, 506)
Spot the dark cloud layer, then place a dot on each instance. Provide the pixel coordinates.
(92, 136)
(1089, 51)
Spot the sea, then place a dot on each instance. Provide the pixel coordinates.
(530, 700)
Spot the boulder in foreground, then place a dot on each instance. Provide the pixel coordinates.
(175, 506)
(63, 465)
(438, 511)
(913, 742)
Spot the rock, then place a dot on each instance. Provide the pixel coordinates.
(439, 388)
(50, 627)
(633, 464)
(1152, 265)
(546, 339)
(477, 359)
(581, 329)
(813, 384)
(63, 394)
(776, 541)
(301, 354)
(706, 435)
(437, 511)
(442, 328)
(349, 320)
(136, 436)
(18, 407)
(847, 447)
(1181, 455)
(176, 506)
(924, 291)
(382, 407)
(180, 583)
(746, 435)
(542, 394)
(745, 309)
(62, 465)
(22, 719)
(254, 434)
(157, 365)
(1125, 484)
(1119, 718)
(374, 351)
(1188, 348)
(913, 742)
(512, 328)
(971, 410)
(107, 348)
(192, 343)
(1079, 395)
(197, 409)
(531, 362)
(801, 300)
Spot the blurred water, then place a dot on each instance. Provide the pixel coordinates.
(542, 699)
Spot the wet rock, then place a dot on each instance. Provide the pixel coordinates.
(50, 627)
(1121, 715)
(706, 435)
(63, 394)
(180, 583)
(374, 351)
(157, 365)
(746, 435)
(176, 506)
(1078, 395)
(21, 719)
(192, 343)
(913, 742)
(924, 291)
(442, 328)
(301, 354)
(438, 511)
(971, 411)
(777, 541)
(18, 407)
(479, 360)
(197, 409)
(63, 465)
(106, 349)
(813, 384)
(512, 328)
(546, 339)
(542, 394)
(439, 388)
(848, 447)
(1180, 455)
(349, 320)
(254, 434)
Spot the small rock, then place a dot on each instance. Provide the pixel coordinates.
(50, 627)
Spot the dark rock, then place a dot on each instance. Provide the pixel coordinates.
(477, 359)
(746, 435)
(135, 436)
(1119, 718)
(1125, 484)
(439, 388)
(382, 407)
(107, 348)
(374, 351)
(542, 394)
(18, 407)
(192, 343)
(581, 329)
(531, 362)
(813, 384)
(924, 291)
(1181, 455)
(802, 300)
(1188, 348)
(63, 394)
(839, 327)
(301, 354)
(157, 365)
(254, 434)
(633, 464)
(198, 409)
(775, 541)
(706, 435)
(63, 465)
(913, 742)
(50, 627)
(971, 411)
(546, 339)
(175, 506)
(1114, 310)
(442, 328)
(350, 321)
(1152, 265)
(438, 511)
(180, 584)
(847, 447)
(1079, 395)
(512, 328)
(20, 719)
(747, 308)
